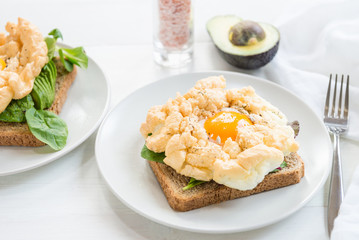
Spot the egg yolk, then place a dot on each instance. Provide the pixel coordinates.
(2, 64)
(224, 125)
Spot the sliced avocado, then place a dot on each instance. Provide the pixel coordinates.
(244, 44)
(43, 92)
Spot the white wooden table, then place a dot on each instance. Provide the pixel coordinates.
(68, 198)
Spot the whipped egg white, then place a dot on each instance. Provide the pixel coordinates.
(231, 136)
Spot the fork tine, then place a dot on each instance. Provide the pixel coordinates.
(326, 109)
(335, 94)
(346, 103)
(339, 114)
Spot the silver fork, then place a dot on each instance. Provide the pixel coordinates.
(336, 120)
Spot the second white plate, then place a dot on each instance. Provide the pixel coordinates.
(119, 143)
(85, 107)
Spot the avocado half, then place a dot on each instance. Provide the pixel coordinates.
(251, 56)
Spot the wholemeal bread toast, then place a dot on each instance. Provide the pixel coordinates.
(211, 192)
(18, 134)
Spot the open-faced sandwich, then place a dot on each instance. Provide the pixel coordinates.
(34, 85)
(211, 145)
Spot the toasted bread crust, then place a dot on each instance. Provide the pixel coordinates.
(18, 134)
(211, 192)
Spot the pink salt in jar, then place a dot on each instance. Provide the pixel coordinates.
(173, 32)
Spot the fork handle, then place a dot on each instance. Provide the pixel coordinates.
(336, 185)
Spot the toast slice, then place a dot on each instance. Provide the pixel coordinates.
(18, 134)
(210, 193)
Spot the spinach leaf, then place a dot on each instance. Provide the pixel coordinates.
(152, 156)
(295, 126)
(56, 34)
(192, 183)
(47, 127)
(67, 64)
(51, 47)
(158, 157)
(68, 56)
(73, 56)
(282, 165)
(15, 111)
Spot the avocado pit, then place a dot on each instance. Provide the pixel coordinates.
(246, 33)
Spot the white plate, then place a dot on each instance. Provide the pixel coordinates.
(119, 143)
(85, 107)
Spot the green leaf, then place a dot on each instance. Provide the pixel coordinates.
(15, 111)
(56, 34)
(76, 56)
(192, 183)
(295, 126)
(152, 156)
(47, 127)
(51, 47)
(67, 64)
(282, 165)
(158, 157)
(68, 56)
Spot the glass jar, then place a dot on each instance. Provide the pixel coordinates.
(173, 32)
